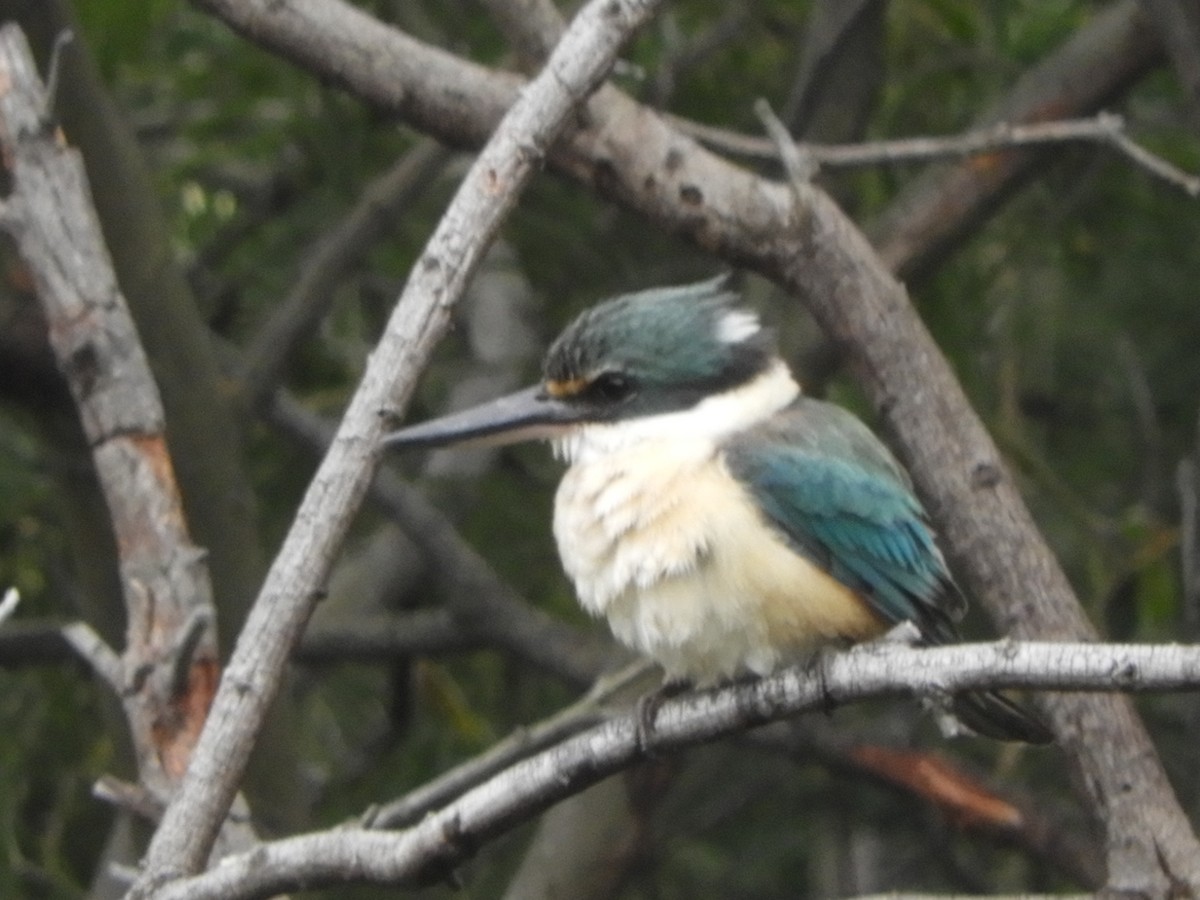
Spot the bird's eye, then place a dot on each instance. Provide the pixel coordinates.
(610, 387)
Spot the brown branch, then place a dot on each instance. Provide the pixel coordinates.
(164, 579)
(182, 841)
(1024, 823)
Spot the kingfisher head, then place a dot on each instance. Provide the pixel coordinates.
(649, 362)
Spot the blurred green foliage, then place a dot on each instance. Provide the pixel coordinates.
(1071, 318)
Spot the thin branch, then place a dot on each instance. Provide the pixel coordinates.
(130, 797)
(340, 249)
(62, 41)
(575, 68)
(589, 710)
(1106, 129)
(386, 636)
(445, 838)
(945, 205)
(101, 658)
(797, 164)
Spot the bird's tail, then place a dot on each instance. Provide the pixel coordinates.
(999, 717)
(992, 714)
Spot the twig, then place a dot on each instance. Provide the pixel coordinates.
(798, 164)
(798, 159)
(575, 68)
(181, 657)
(584, 713)
(1105, 128)
(94, 651)
(130, 797)
(54, 70)
(444, 838)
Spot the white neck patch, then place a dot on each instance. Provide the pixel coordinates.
(710, 419)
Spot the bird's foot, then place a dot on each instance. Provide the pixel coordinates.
(813, 665)
(646, 710)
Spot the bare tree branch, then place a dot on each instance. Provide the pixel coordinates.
(945, 205)
(101, 658)
(443, 839)
(490, 188)
(163, 575)
(1106, 129)
(585, 712)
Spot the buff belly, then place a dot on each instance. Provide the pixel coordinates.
(661, 541)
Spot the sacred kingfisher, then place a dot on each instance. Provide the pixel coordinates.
(720, 520)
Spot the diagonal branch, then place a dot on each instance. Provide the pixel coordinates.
(342, 248)
(445, 838)
(489, 190)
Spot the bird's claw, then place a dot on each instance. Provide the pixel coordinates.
(646, 711)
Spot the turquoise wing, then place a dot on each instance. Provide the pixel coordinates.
(823, 480)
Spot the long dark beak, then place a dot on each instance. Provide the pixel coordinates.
(526, 415)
